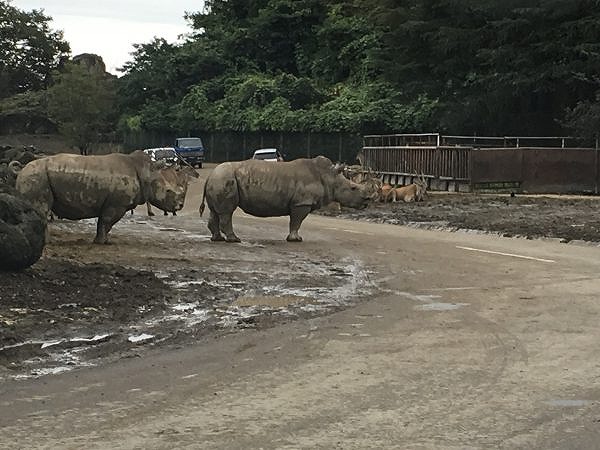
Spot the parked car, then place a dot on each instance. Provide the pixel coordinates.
(268, 154)
(166, 154)
(191, 149)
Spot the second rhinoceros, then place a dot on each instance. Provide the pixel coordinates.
(267, 189)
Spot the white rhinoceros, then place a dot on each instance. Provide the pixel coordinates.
(81, 187)
(267, 189)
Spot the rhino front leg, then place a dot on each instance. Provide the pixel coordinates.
(297, 215)
(106, 220)
(213, 226)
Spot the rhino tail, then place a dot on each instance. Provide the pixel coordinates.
(201, 208)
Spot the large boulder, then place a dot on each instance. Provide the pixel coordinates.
(22, 231)
(23, 155)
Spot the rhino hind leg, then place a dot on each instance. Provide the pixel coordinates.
(297, 215)
(226, 227)
(213, 226)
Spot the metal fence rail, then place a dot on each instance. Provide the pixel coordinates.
(534, 164)
(436, 139)
(445, 163)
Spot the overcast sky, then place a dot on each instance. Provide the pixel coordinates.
(109, 28)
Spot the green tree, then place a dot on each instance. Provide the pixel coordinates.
(83, 105)
(494, 67)
(459, 66)
(584, 119)
(343, 47)
(29, 50)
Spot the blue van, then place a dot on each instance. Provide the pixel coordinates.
(191, 150)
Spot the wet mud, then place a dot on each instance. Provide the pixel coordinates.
(559, 217)
(166, 286)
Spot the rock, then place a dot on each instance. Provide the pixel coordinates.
(24, 155)
(7, 175)
(22, 231)
(8, 154)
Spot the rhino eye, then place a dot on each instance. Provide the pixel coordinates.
(353, 188)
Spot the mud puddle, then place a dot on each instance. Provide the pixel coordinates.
(62, 314)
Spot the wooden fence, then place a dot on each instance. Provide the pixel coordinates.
(471, 163)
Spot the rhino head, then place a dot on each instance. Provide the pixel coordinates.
(168, 188)
(344, 191)
(349, 193)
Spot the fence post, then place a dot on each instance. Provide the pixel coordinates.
(227, 151)
(244, 144)
(281, 142)
(470, 169)
(597, 171)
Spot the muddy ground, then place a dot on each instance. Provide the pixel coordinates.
(559, 217)
(84, 304)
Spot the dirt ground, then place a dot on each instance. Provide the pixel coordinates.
(162, 283)
(567, 218)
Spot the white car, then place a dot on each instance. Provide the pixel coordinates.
(268, 154)
(163, 153)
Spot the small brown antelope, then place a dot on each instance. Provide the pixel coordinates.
(386, 192)
(411, 193)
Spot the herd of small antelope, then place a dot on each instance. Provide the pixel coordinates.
(414, 192)
(387, 193)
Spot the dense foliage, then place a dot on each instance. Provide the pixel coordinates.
(460, 66)
(527, 67)
(82, 104)
(29, 50)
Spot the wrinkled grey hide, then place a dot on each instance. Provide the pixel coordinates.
(80, 187)
(267, 189)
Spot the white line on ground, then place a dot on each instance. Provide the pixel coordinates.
(506, 254)
(358, 232)
(349, 231)
(467, 288)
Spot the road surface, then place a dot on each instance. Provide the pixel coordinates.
(474, 341)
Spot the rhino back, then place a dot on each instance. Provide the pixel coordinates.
(83, 185)
(271, 189)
